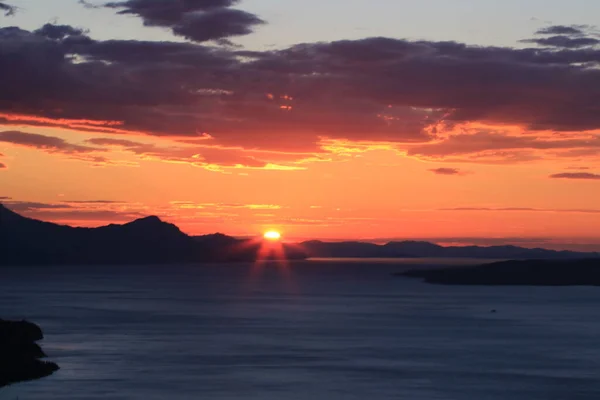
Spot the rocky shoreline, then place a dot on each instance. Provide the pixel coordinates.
(21, 358)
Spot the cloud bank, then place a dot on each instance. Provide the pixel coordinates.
(437, 100)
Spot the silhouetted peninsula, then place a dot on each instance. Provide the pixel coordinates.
(517, 273)
(21, 356)
(25, 241)
(413, 249)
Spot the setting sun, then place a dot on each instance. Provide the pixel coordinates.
(272, 235)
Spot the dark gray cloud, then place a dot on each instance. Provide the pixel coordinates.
(59, 32)
(197, 20)
(565, 37)
(564, 41)
(446, 171)
(7, 9)
(562, 30)
(167, 11)
(576, 175)
(216, 24)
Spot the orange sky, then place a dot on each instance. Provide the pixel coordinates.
(370, 193)
(366, 138)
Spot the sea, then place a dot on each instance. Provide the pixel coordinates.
(307, 330)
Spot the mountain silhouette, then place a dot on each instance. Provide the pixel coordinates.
(317, 248)
(412, 249)
(26, 241)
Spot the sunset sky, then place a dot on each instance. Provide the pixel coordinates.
(459, 121)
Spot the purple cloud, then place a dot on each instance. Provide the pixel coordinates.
(55, 145)
(59, 32)
(487, 145)
(446, 171)
(576, 175)
(376, 89)
(24, 206)
(564, 41)
(562, 30)
(197, 20)
(48, 143)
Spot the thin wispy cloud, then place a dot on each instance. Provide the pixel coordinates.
(524, 209)
(447, 171)
(576, 176)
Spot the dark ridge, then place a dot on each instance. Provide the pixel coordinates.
(414, 249)
(26, 241)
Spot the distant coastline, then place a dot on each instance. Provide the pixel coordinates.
(585, 272)
(419, 249)
(26, 241)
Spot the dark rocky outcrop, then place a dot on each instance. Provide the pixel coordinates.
(516, 273)
(20, 355)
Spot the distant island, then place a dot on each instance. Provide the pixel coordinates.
(516, 273)
(26, 241)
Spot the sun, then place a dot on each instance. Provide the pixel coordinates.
(272, 235)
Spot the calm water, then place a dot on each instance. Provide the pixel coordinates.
(314, 330)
